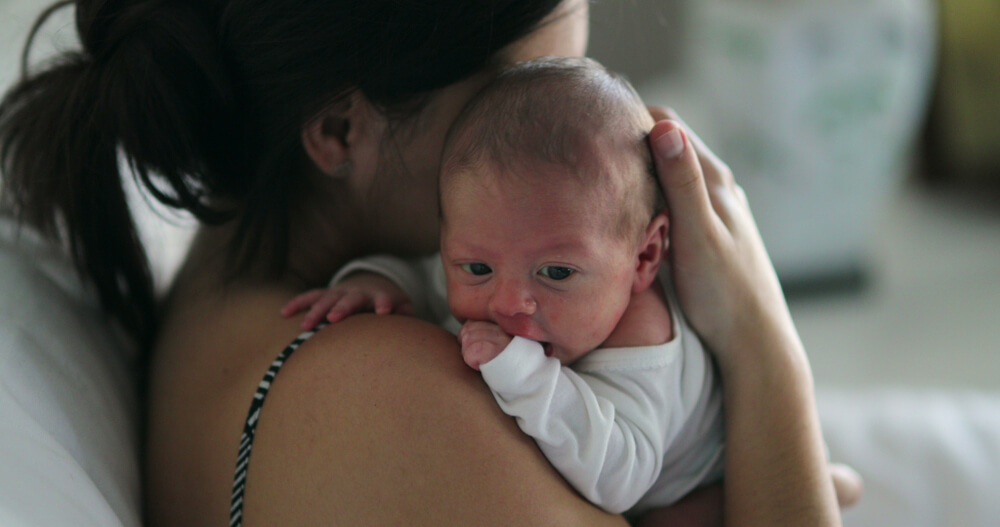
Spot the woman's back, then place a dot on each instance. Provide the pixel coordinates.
(201, 374)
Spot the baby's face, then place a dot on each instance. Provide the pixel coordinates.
(539, 259)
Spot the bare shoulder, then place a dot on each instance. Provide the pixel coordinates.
(376, 420)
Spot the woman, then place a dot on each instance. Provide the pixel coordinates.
(303, 133)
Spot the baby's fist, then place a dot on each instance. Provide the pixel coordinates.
(481, 342)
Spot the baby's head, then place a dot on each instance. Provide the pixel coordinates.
(550, 208)
(565, 113)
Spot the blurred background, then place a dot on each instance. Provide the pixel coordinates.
(865, 135)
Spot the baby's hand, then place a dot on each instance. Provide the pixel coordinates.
(481, 342)
(358, 292)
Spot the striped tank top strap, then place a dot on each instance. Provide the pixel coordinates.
(250, 426)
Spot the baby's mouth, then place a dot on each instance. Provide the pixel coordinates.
(547, 346)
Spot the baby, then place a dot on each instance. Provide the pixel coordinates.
(552, 245)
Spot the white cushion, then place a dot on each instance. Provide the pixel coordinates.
(930, 458)
(69, 420)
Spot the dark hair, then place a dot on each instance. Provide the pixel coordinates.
(552, 110)
(206, 99)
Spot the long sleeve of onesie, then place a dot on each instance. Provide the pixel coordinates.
(606, 423)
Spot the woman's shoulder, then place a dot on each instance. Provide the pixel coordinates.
(399, 340)
(375, 419)
(378, 420)
(379, 356)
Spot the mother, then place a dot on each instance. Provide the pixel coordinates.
(303, 133)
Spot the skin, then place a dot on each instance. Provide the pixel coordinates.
(508, 241)
(767, 382)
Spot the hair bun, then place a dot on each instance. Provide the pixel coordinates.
(104, 24)
(166, 95)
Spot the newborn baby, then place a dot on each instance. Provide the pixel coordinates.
(551, 273)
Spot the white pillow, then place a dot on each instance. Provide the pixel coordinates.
(69, 416)
(69, 421)
(930, 458)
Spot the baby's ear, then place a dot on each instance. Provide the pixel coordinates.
(651, 252)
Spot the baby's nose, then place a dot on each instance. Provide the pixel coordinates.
(512, 299)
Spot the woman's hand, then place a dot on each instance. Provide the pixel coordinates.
(723, 276)
(776, 470)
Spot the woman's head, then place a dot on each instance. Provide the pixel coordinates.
(211, 103)
(392, 161)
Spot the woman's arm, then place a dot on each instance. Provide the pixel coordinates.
(776, 470)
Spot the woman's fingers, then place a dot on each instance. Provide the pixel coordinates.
(724, 195)
(680, 176)
(847, 483)
(660, 113)
(715, 170)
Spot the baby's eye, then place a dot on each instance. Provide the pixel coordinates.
(554, 272)
(478, 269)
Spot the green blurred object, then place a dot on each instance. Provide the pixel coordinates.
(817, 107)
(963, 138)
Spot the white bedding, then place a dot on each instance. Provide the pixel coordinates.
(69, 420)
(929, 458)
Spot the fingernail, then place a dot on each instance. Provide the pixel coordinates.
(670, 144)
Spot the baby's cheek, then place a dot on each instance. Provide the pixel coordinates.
(466, 305)
(600, 326)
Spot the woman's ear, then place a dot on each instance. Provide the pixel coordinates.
(650, 253)
(331, 139)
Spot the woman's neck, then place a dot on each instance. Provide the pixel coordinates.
(332, 221)
(316, 249)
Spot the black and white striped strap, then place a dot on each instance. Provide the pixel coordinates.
(250, 427)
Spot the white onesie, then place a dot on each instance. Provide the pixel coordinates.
(629, 428)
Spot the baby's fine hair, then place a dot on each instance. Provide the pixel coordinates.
(552, 111)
